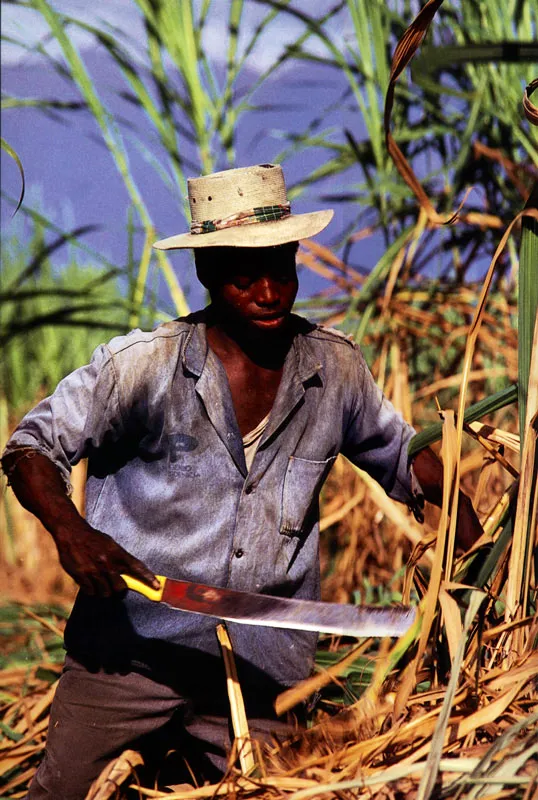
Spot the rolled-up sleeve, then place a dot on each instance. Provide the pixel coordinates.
(377, 439)
(81, 414)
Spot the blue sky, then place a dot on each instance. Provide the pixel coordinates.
(71, 177)
(26, 24)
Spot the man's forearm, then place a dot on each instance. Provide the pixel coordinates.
(92, 558)
(429, 471)
(39, 487)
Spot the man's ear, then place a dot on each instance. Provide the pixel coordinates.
(203, 269)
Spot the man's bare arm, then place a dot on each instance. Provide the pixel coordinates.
(92, 558)
(429, 471)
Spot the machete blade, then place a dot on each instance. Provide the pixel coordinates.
(279, 612)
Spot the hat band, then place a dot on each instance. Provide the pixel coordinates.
(249, 217)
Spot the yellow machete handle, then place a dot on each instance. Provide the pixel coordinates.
(143, 588)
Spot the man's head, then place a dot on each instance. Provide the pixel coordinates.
(245, 239)
(252, 288)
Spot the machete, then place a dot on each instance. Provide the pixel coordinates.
(277, 612)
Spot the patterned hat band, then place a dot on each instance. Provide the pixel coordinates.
(249, 217)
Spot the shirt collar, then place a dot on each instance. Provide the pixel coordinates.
(196, 347)
(307, 363)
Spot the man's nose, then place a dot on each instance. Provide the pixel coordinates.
(267, 293)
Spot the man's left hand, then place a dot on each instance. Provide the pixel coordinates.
(468, 527)
(429, 472)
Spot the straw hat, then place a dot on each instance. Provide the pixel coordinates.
(245, 207)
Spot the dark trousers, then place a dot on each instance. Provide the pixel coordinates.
(97, 715)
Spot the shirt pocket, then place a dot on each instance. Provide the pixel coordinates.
(302, 484)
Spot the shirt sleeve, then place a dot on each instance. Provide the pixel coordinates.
(377, 440)
(83, 413)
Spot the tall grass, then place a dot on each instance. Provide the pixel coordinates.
(51, 318)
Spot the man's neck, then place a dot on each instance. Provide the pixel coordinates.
(235, 343)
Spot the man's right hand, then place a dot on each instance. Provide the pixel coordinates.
(96, 562)
(92, 558)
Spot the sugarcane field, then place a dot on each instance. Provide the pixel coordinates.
(269, 400)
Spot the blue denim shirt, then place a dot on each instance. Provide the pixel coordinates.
(167, 479)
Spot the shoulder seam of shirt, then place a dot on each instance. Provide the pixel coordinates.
(331, 335)
(147, 337)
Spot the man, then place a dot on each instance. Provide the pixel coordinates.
(208, 441)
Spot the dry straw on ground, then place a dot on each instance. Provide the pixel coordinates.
(485, 723)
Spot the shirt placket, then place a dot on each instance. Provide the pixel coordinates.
(254, 547)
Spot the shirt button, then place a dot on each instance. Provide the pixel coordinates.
(239, 553)
(250, 488)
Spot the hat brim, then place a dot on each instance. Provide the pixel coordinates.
(261, 234)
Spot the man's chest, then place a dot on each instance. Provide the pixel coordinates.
(199, 415)
(253, 395)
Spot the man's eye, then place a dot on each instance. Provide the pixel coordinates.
(285, 277)
(242, 281)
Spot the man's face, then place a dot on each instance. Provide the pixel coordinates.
(252, 286)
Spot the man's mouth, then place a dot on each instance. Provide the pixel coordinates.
(270, 320)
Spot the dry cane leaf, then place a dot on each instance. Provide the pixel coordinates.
(520, 561)
(451, 619)
(392, 509)
(332, 260)
(531, 111)
(240, 787)
(342, 511)
(510, 440)
(22, 779)
(429, 778)
(44, 622)
(114, 775)
(460, 728)
(489, 713)
(430, 602)
(404, 52)
(39, 707)
(513, 170)
(503, 679)
(304, 689)
(7, 764)
(237, 705)
(454, 380)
